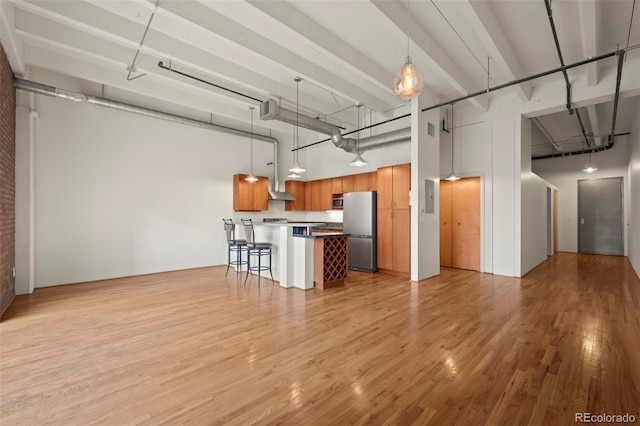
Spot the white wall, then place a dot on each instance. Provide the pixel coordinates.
(564, 173)
(118, 194)
(634, 191)
(534, 225)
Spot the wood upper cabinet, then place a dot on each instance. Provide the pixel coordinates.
(298, 189)
(336, 185)
(316, 195)
(342, 184)
(250, 196)
(347, 184)
(327, 194)
(394, 183)
(365, 181)
(308, 195)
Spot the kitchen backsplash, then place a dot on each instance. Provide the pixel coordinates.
(276, 210)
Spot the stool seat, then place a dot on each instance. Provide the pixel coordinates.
(256, 250)
(234, 245)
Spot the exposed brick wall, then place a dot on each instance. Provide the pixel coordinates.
(7, 181)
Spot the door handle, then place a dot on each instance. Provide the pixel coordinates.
(582, 221)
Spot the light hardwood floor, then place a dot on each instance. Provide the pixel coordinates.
(192, 347)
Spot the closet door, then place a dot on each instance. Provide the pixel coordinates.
(445, 222)
(466, 224)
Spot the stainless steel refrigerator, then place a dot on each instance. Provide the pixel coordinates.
(360, 220)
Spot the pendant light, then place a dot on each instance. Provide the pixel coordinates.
(297, 168)
(358, 161)
(294, 175)
(251, 178)
(408, 82)
(590, 168)
(452, 176)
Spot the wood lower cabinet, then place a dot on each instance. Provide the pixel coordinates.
(298, 189)
(394, 241)
(460, 223)
(250, 196)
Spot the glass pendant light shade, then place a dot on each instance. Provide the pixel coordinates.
(408, 82)
(358, 161)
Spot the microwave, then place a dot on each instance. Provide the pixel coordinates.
(336, 203)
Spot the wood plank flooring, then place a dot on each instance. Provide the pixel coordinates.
(192, 347)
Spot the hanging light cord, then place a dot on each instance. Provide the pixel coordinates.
(452, 129)
(251, 108)
(633, 8)
(358, 139)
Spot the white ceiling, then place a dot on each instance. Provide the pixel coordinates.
(345, 51)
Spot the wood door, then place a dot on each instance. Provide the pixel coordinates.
(361, 182)
(373, 181)
(261, 194)
(347, 184)
(242, 194)
(385, 187)
(445, 222)
(385, 239)
(298, 189)
(466, 224)
(401, 186)
(401, 254)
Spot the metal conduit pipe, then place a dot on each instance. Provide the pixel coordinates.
(54, 92)
(547, 3)
(582, 151)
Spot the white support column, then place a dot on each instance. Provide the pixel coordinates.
(425, 164)
(25, 194)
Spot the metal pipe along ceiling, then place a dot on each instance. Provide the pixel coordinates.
(270, 110)
(54, 92)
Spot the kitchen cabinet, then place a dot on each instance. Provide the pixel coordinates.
(460, 223)
(342, 184)
(327, 196)
(298, 189)
(394, 242)
(365, 181)
(394, 219)
(308, 194)
(394, 183)
(250, 196)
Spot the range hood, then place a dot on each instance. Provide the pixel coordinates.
(274, 191)
(281, 196)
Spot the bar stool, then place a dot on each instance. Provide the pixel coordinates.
(256, 250)
(234, 246)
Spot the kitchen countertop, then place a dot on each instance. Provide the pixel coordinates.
(323, 235)
(296, 224)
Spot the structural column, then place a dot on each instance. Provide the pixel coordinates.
(425, 194)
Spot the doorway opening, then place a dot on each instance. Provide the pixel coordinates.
(460, 223)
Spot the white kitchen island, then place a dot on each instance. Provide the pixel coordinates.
(292, 257)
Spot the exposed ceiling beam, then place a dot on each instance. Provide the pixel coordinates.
(321, 38)
(546, 134)
(484, 23)
(97, 22)
(207, 18)
(437, 58)
(595, 125)
(10, 41)
(588, 12)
